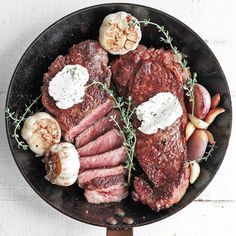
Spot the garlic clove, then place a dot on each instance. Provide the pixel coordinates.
(41, 131)
(212, 114)
(210, 136)
(215, 100)
(195, 171)
(189, 130)
(198, 123)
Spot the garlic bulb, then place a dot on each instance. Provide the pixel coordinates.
(41, 131)
(62, 164)
(119, 33)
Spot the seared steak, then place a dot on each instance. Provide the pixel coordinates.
(88, 175)
(97, 129)
(104, 182)
(142, 74)
(96, 102)
(109, 141)
(107, 159)
(91, 124)
(114, 193)
(157, 199)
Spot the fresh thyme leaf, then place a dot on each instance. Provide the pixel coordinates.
(18, 121)
(127, 130)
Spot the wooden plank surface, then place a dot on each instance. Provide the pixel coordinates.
(22, 212)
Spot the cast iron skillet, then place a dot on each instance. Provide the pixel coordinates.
(56, 40)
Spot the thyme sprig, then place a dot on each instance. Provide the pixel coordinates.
(17, 121)
(189, 87)
(190, 81)
(211, 148)
(126, 129)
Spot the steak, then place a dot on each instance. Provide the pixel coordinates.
(88, 175)
(114, 193)
(162, 156)
(104, 182)
(107, 159)
(109, 141)
(97, 129)
(157, 199)
(96, 103)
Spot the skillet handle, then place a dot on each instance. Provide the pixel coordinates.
(121, 232)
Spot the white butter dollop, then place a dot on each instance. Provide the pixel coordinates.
(68, 86)
(159, 112)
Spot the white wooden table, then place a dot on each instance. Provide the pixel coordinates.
(22, 212)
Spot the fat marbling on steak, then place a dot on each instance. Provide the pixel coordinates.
(142, 74)
(96, 102)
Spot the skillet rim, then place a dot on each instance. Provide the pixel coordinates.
(210, 54)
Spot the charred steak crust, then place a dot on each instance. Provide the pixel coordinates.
(162, 156)
(104, 182)
(89, 54)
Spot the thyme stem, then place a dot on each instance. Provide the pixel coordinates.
(208, 153)
(127, 130)
(17, 122)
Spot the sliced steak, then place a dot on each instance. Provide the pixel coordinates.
(114, 193)
(107, 159)
(97, 129)
(104, 182)
(88, 120)
(109, 141)
(96, 103)
(88, 175)
(142, 74)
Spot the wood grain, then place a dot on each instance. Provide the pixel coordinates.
(22, 212)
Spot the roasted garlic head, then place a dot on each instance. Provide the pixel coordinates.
(41, 131)
(119, 33)
(62, 164)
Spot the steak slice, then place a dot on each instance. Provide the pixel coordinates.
(96, 103)
(109, 141)
(88, 120)
(88, 175)
(97, 129)
(162, 156)
(107, 159)
(104, 182)
(114, 193)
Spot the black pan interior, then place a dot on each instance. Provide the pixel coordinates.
(56, 40)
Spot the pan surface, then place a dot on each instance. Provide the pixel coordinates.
(56, 40)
